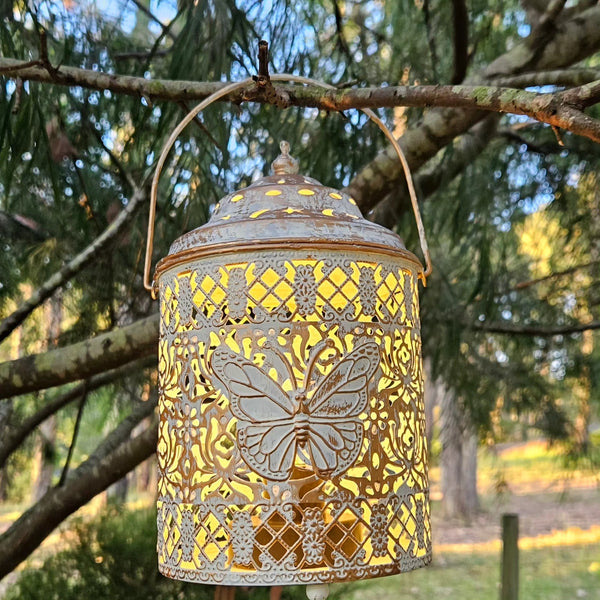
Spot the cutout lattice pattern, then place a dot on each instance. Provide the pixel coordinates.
(291, 440)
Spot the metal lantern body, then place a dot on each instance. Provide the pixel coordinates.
(292, 435)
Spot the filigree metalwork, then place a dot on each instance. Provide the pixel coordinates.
(291, 437)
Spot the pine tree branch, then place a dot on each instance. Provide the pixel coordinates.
(74, 436)
(542, 31)
(558, 274)
(81, 360)
(467, 148)
(430, 39)
(546, 108)
(18, 432)
(576, 39)
(113, 459)
(139, 55)
(558, 77)
(539, 148)
(339, 26)
(74, 266)
(165, 28)
(582, 96)
(532, 330)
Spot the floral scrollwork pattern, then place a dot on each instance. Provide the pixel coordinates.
(291, 436)
(312, 542)
(305, 289)
(242, 537)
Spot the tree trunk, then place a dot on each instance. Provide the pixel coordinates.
(458, 460)
(470, 499)
(434, 390)
(46, 453)
(6, 410)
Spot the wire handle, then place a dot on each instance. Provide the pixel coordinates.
(233, 87)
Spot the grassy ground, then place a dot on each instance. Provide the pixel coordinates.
(559, 511)
(553, 573)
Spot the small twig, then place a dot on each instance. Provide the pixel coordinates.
(186, 109)
(126, 178)
(18, 96)
(148, 101)
(527, 284)
(263, 79)
(265, 88)
(44, 60)
(82, 401)
(341, 38)
(26, 65)
(511, 134)
(150, 15)
(140, 55)
(558, 135)
(347, 84)
(532, 330)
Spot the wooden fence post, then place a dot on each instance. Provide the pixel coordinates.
(510, 557)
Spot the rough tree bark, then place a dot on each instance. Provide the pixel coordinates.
(46, 450)
(80, 361)
(570, 41)
(113, 459)
(458, 460)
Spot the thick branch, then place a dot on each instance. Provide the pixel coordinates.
(576, 39)
(583, 96)
(79, 361)
(558, 77)
(542, 32)
(542, 107)
(465, 151)
(533, 330)
(111, 461)
(73, 267)
(157, 89)
(17, 433)
(547, 108)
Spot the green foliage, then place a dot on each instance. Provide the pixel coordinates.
(114, 558)
(64, 153)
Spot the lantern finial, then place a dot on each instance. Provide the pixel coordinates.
(284, 163)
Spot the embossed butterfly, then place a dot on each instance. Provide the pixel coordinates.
(275, 425)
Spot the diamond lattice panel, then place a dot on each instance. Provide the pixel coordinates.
(291, 439)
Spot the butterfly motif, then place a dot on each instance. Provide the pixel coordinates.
(275, 425)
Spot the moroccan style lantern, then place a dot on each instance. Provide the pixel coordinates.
(292, 436)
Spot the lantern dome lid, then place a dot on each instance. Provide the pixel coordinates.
(285, 209)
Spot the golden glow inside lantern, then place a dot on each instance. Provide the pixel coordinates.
(292, 434)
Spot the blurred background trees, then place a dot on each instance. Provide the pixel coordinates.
(511, 206)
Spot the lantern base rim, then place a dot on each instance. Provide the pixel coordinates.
(294, 578)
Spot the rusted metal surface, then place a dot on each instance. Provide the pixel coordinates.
(285, 208)
(292, 435)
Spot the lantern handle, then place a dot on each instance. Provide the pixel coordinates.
(233, 87)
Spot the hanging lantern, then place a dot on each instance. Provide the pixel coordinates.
(292, 436)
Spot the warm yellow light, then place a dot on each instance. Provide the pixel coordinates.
(291, 439)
